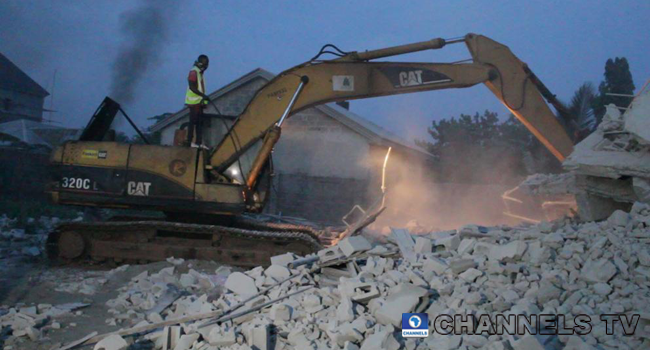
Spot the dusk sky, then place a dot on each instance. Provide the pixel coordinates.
(565, 43)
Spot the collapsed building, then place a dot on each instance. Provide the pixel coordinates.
(607, 171)
(612, 165)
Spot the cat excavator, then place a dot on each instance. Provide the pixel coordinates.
(205, 193)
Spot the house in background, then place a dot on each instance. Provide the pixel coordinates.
(327, 160)
(25, 131)
(20, 96)
(21, 111)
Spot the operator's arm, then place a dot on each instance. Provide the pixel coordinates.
(193, 82)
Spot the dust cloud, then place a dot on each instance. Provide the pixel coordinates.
(416, 199)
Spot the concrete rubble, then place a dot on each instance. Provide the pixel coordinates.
(28, 243)
(609, 170)
(360, 292)
(354, 296)
(612, 165)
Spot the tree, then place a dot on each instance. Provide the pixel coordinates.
(580, 120)
(472, 149)
(618, 80)
(480, 149)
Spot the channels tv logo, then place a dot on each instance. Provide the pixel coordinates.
(415, 325)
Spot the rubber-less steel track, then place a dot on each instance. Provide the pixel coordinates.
(251, 243)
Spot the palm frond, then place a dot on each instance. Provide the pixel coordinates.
(581, 108)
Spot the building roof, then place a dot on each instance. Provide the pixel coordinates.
(252, 75)
(13, 78)
(375, 133)
(35, 133)
(355, 122)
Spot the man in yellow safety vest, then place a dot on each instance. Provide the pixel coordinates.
(196, 100)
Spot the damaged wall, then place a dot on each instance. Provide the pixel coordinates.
(612, 165)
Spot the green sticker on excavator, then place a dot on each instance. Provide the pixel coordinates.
(90, 153)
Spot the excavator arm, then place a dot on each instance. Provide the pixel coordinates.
(352, 76)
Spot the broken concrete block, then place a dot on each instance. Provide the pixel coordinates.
(435, 265)
(312, 303)
(405, 243)
(241, 284)
(547, 292)
(221, 338)
(643, 254)
(354, 244)
(33, 333)
(471, 275)
(376, 341)
(154, 317)
(187, 280)
(469, 231)
(379, 250)
(345, 311)
(283, 259)
(349, 346)
(618, 218)
(603, 289)
(112, 342)
(509, 252)
(450, 243)
(277, 272)
(358, 291)
(598, 271)
(466, 246)
(346, 332)
(281, 313)
(458, 266)
(185, 342)
(258, 337)
(329, 254)
(422, 245)
(402, 299)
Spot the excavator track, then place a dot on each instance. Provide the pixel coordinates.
(250, 243)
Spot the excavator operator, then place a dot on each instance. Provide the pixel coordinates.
(196, 100)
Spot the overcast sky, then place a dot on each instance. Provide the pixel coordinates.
(565, 42)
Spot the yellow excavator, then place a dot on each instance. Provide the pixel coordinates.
(204, 192)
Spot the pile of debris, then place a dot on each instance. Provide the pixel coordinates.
(612, 165)
(19, 242)
(353, 295)
(147, 297)
(32, 321)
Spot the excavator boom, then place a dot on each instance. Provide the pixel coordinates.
(353, 77)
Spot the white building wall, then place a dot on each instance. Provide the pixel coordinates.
(17, 105)
(315, 144)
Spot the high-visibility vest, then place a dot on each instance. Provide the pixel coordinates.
(190, 97)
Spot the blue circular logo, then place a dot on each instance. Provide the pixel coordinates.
(415, 321)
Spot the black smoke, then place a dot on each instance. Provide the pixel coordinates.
(144, 32)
